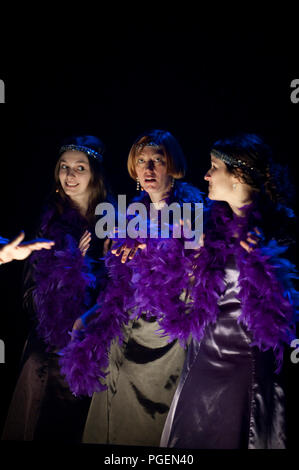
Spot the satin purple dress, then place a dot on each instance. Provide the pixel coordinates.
(228, 396)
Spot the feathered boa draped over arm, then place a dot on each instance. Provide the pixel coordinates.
(61, 278)
(181, 289)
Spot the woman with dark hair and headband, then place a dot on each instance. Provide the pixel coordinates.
(59, 285)
(242, 309)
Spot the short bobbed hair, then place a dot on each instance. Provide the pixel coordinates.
(167, 145)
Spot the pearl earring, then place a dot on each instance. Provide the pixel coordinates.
(234, 186)
(172, 183)
(138, 184)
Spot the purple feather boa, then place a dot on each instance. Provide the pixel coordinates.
(61, 276)
(152, 285)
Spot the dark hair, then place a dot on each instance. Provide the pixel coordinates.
(98, 191)
(256, 167)
(259, 169)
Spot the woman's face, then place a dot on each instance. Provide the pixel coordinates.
(151, 170)
(220, 180)
(74, 174)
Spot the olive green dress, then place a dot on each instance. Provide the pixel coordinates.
(143, 375)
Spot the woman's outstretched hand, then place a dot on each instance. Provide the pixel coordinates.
(15, 250)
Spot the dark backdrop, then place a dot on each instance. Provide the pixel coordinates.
(200, 84)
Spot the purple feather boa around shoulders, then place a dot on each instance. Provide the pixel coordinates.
(181, 288)
(61, 277)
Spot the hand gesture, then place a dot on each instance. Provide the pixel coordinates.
(253, 240)
(128, 253)
(84, 242)
(15, 250)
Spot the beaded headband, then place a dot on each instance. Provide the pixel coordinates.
(230, 160)
(82, 148)
(147, 144)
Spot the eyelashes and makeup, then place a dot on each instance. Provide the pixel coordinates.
(156, 160)
(79, 168)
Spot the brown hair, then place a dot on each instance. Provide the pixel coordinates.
(98, 191)
(167, 145)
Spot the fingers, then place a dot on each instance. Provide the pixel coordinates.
(202, 240)
(253, 239)
(77, 329)
(140, 246)
(84, 243)
(128, 253)
(125, 254)
(117, 251)
(17, 240)
(246, 246)
(250, 244)
(36, 245)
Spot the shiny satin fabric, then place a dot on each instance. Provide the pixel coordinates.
(143, 376)
(228, 396)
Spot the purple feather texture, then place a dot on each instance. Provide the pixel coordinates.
(181, 288)
(62, 275)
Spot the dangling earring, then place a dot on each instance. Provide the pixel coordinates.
(57, 190)
(172, 183)
(138, 184)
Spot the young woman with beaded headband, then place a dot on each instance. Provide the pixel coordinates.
(242, 312)
(58, 287)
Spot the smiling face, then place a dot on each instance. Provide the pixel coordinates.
(221, 181)
(151, 170)
(75, 175)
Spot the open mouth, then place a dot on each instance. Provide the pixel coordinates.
(149, 180)
(71, 185)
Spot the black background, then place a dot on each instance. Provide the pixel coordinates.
(185, 73)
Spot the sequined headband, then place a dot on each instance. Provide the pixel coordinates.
(82, 148)
(147, 144)
(230, 160)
